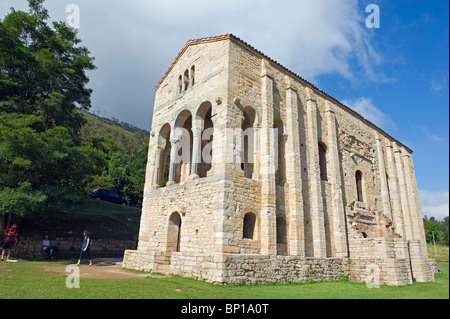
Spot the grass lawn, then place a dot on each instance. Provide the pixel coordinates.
(442, 252)
(28, 279)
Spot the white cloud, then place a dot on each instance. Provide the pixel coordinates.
(434, 203)
(431, 136)
(369, 111)
(135, 42)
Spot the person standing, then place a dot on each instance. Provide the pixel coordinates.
(10, 235)
(85, 248)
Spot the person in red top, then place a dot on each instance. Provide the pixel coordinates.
(10, 235)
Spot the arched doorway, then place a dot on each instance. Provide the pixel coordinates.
(174, 233)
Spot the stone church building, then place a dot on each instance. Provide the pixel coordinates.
(255, 175)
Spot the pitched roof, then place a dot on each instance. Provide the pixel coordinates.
(305, 82)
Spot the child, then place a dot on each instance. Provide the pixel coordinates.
(85, 248)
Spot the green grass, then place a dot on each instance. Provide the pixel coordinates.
(27, 279)
(442, 252)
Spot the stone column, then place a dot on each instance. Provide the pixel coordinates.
(256, 150)
(416, 214)
(296, 230)
(315, 188)
(396, 201)
(196, 150)
(157, 172)
(383, 180)
(334, 171)
(409, 227)
(268, 165)
(173, 164)
(419, 208)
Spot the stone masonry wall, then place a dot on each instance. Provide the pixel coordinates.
(324, 220)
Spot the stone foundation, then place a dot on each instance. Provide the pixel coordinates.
(241, 268)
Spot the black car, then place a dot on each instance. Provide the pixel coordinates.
(108, 195)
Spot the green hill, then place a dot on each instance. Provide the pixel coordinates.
(126, 135)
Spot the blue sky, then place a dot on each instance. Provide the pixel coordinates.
(413, 44)
(397, 75)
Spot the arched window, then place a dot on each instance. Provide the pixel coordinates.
(180, 85)
(323, 162)
(183, 151)
(162, 163)
(186, 80)
(205, 113)
(359, 186)
(192, 76)
(249, 225)
(247, 152)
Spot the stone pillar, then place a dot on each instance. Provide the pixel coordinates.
(414, 203)
(296, 230)
(315, 188)
(196, 150)
(256, 150)
(396, 202)
(418, 206)
(157, 171)
(334, 171)
(268, 141)
(383, 180)
(173, 164)
(409, 227)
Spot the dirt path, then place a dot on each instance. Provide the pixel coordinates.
(102, 270)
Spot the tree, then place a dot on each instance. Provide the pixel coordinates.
(43, 69)
(42, 83)
(438, 228)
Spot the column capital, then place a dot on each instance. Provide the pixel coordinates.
(328, 108)
(289, 83)
(266, 69)
(197, 131)
(406, 155)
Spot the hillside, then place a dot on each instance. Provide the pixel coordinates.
(126, 135)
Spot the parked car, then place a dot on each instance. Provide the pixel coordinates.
(108, 195)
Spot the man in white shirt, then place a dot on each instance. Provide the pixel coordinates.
(46, 246)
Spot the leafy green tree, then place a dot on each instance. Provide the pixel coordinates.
(43, 69)
(41, 168)
(439, 228)
(42, 83)
(123, 172)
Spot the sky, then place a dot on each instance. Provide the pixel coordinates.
(395, 74)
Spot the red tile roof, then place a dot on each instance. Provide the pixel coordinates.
(239, 41)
